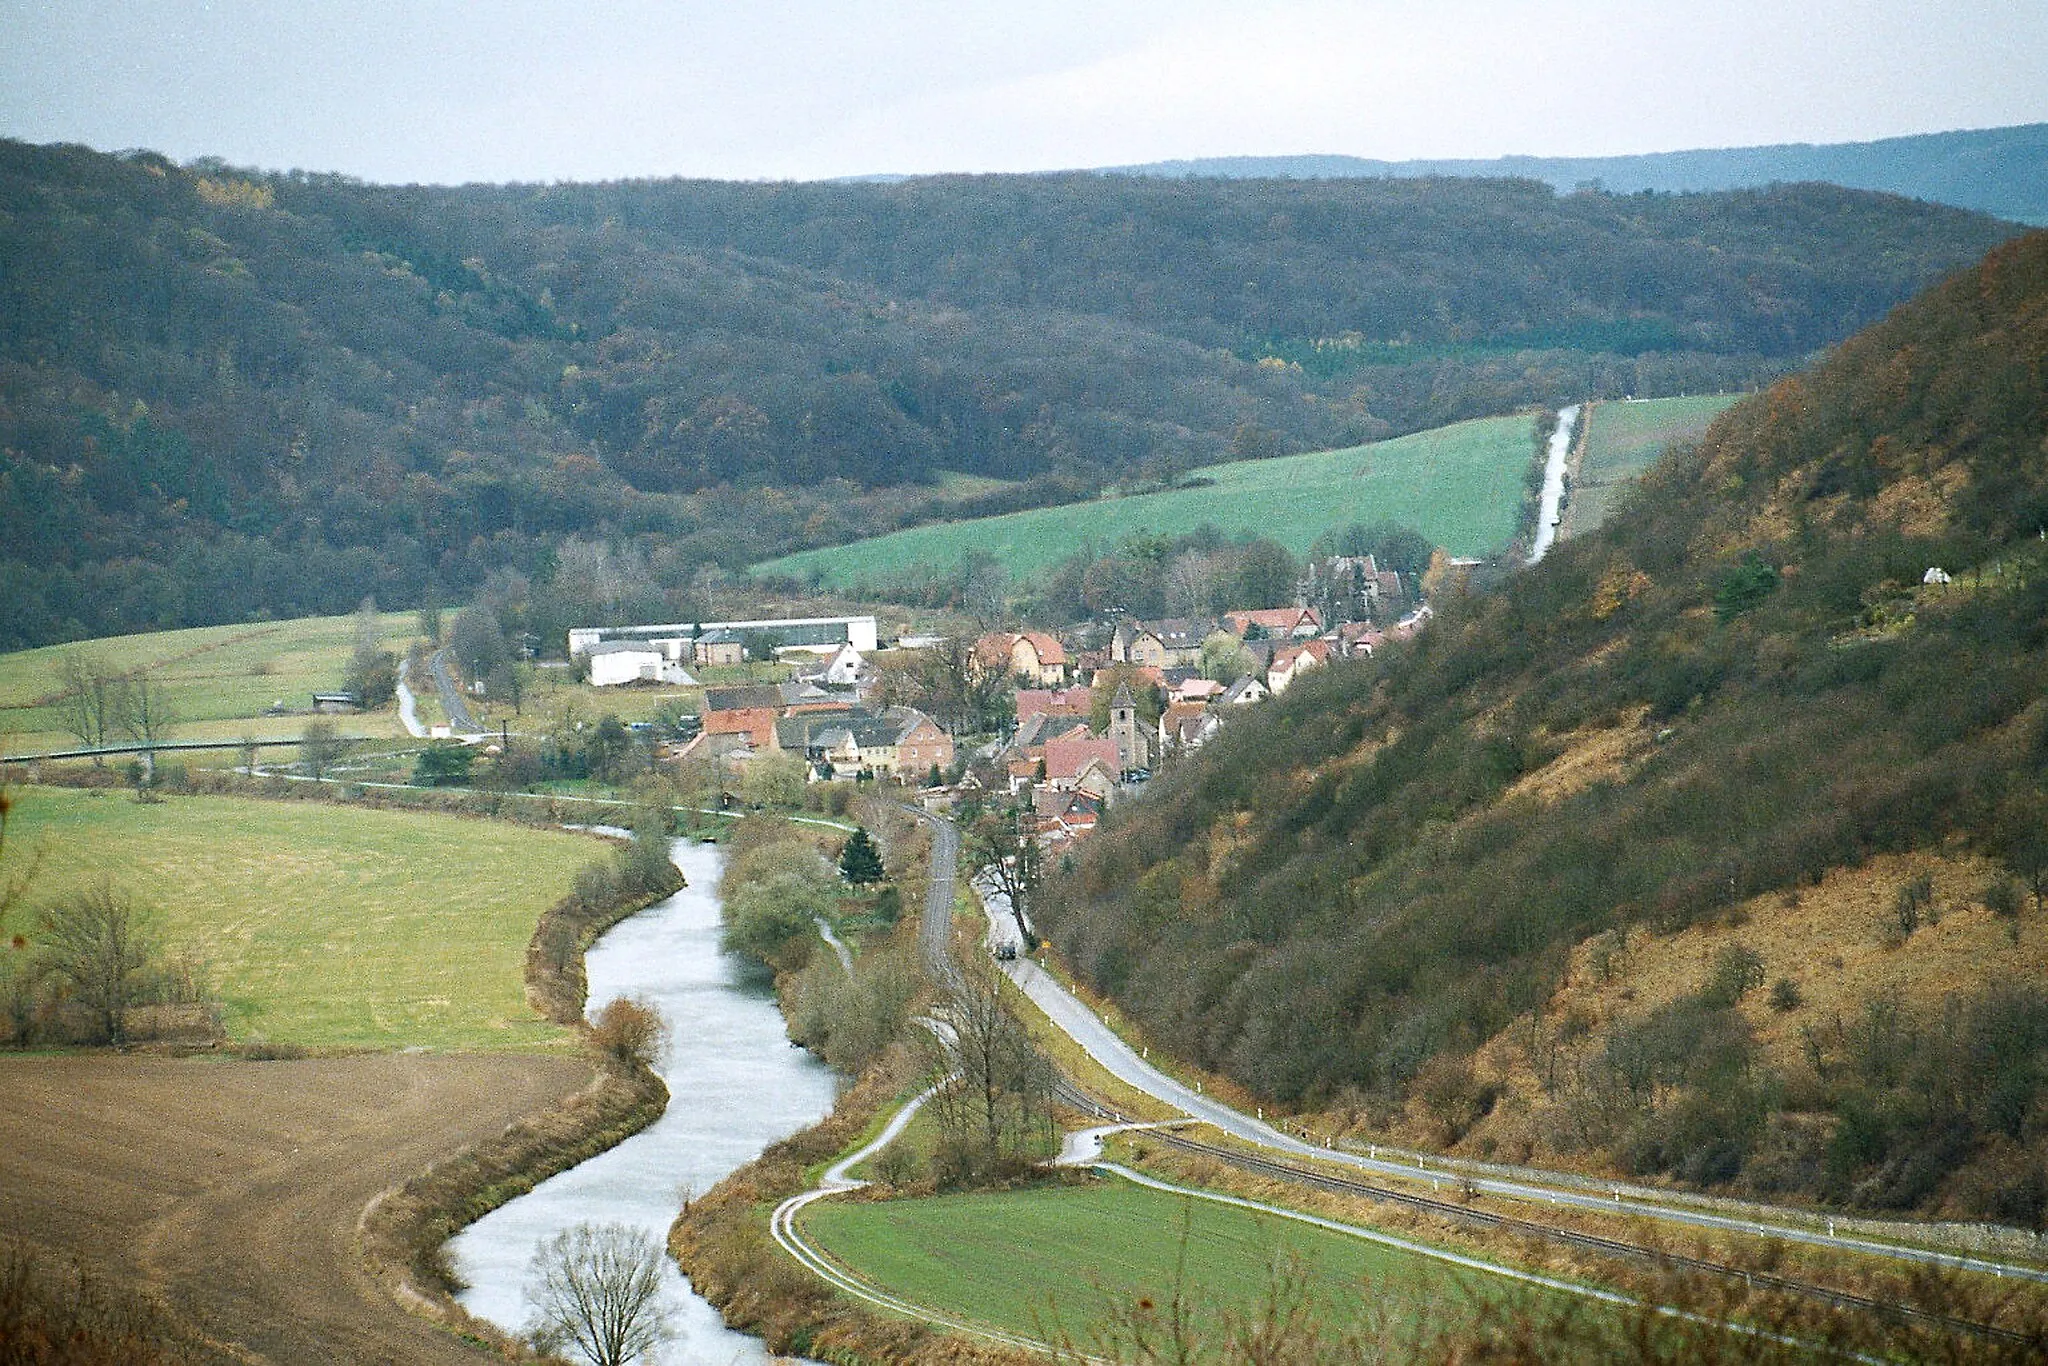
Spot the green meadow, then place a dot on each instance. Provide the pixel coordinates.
(1048, 1261)
(320, 924)
(1461, 486)
(220, 679)
(1625, 438)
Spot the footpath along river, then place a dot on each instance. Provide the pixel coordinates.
(735, 1086)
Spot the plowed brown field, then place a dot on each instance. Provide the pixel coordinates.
(231, 1190)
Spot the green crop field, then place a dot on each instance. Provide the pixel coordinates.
(323, 925)
(1461, 486)
(220, 679)
(1622, 440)
(1038, 1261)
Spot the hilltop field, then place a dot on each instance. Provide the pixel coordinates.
(1622, 440)
(1459, 485)
(220, 680)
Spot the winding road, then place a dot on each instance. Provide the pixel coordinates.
(459, 718)
(1106, 1047)
(408, 705)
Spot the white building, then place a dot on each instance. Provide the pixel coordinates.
(613, 662)
(822, 635)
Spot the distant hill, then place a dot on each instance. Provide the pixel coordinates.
(2001, 171)
(1562, 867)
(225, 393)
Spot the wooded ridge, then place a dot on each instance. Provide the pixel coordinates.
(225, 393)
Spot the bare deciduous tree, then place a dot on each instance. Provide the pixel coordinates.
(1004, 1094)
(320, 748)
(596, 1289)
(91, 704)
(147, 715)
(97, 944)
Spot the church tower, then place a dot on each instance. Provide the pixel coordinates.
(1131, 749)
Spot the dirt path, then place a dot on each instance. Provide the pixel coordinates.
(232, 1189)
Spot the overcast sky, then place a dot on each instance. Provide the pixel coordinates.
(451, 90)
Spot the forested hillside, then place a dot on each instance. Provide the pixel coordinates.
(2001, 171)
(1739, 688)
(225, 393)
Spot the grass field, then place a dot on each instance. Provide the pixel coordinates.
(323, 925)
(1460, 485)
(1624, 439)
(220, 679)
(1031, 1260)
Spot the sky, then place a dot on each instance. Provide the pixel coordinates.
(543, 90)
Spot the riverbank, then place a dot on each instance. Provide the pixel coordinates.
(405, 1231)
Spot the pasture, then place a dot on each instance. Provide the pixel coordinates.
(321, 924)
(1622, 440)
(1461, 486)
(1050, 1260)
(220, 679)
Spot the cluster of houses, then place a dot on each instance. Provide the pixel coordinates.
(1071, 771)
(1170, 686)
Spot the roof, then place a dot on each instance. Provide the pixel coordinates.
(1057, 701)
(623, 647)
(1273, 618)
(1179, 633)
(1289, 656)
(864, 729)
(1048, 647)
(1240, 690)
(748, 697)
(1122, 697)
(721, 635)
(1068, 758)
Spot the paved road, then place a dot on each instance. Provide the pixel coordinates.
(937, 925)
(459, 718)
(408, 705)
(1122, 1061)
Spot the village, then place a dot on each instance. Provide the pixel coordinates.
(1057, 725)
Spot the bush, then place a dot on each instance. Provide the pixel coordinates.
(1735, 969)
(631, 1032)
(1785, 995)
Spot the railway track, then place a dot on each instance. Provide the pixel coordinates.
(1069, 1094)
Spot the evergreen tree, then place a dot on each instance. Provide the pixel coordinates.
(860, 862)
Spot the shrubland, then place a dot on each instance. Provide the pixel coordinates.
(1740, 686)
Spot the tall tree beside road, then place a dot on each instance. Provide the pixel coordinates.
(320, 748)
(1003, 1098)
(596, 1290)
(1000, 843)
(372, 669)
(147, 712)
(97, 944)
(92, 698)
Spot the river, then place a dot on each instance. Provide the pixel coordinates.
(1548, 510)
(735, 1086)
